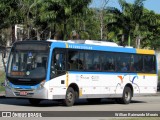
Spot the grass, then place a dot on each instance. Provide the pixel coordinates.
(2, 78)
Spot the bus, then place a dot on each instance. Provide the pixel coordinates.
(75, 69)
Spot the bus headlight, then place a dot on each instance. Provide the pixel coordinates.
(42, 84)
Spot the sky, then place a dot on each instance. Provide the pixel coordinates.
(149, 4)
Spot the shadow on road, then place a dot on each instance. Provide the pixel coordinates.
(49, 103)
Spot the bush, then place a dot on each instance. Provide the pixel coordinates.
(2, 78)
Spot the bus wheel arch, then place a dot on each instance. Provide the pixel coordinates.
(72, 94)
(127, 95)
(131, 87)
(75, 88)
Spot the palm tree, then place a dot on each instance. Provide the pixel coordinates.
(10, 15)
(58, 13)
(150, 31)
(127, 20)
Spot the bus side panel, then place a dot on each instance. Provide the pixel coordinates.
(147, 83)
(57, 87)
(101, 85)
(97, 85)
(122, 80)
(144, 84)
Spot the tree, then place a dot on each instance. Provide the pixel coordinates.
(127, 20)
(43, 19)
(151, 37)
(59, 12)
(8, 15)
(101, 16)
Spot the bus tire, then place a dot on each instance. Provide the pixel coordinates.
(34, 101)
(127, 96)
(70, 97)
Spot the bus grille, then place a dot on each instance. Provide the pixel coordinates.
(28, 83)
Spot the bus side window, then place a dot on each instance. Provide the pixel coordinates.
(73, 65)
(149, 66)
(96, 62)
(58, 65)
(124, 67)
(60, 62)
(88, 61)
(138, 63)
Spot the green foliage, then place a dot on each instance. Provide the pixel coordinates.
(2, 78)
(135, 22)
(58, 12)
(84, 35)
(4, 13)
(47, 17)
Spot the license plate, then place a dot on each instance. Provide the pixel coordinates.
(23, 93)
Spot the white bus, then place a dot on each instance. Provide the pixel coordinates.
(70, 70)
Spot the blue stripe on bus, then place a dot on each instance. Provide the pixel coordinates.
(49, 65)
(53, 45)
(58, 45)
(101, 48)
(24, 86)
(93, 47)
(104, 73)
(86, 47)
(157, 64)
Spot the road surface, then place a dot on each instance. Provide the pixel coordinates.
(143, 103)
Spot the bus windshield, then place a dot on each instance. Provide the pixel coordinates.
(28, 61)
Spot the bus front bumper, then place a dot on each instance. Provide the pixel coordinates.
(26, 93)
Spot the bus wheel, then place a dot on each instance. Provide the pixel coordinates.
(94, 100)
(34, 101)
(127, 96)
(70, 97)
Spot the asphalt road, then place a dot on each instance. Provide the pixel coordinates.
(143, 103)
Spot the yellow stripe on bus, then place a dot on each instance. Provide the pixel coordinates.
(142, 74)
(66, 45)
(142, 51)
(67, 79)
(80, 92)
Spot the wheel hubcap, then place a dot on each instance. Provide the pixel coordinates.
(127, 96)
(70, 97)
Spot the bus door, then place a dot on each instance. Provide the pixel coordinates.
(58, 68)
